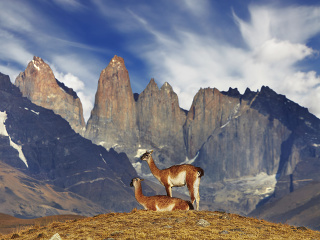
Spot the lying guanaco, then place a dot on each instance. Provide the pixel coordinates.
(158, 202)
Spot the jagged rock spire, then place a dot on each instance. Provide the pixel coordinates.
(39, 84)
(113, 117)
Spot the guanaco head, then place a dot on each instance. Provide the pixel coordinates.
(135, 181)
(146, 155)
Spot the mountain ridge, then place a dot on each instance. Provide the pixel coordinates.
(58, 156)
(39, 84)
(233, 136)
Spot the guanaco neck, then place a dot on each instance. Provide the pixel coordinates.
(138, 193)
(153, 168)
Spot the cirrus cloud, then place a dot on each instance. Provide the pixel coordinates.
(275, 41)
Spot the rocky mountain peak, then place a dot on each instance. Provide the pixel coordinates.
(152, 86)
(160, 122)
(38, 62)
(166, 87)
(7, 86)
(39, 85)
(114, 107)
(210, 109)
(116, 65)
(232, 92)
(117, 62)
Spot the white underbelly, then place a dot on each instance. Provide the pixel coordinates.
(167, 208)
(179, 180)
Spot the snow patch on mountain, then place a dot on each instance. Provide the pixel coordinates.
(140, 152)
(86, 182)
(3, 131)
(190, 161)
(32, 111)
(102, 158)
(262, 184)
(36, 67)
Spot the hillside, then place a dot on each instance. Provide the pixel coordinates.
(166, 225)
(301, 206)
(55, 164)
(9, 224)
(26, 197)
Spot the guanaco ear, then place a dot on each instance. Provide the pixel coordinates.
(141, 179)
(151, 151)
(143, 155)
(131, 184)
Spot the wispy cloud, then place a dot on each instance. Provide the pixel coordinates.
(278, 37)
(26, 30)
(70, 5)
(189, 44)
(276, 41)
(77, 85)
(79, 74)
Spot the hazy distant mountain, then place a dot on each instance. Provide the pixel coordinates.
(25, 197)
(299, 208)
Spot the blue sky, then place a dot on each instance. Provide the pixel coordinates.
(190, 44)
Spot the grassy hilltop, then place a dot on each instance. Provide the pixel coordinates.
(140, 224)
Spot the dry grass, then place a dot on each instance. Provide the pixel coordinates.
(9, 224)
(141, 224)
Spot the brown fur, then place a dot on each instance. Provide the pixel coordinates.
(158, 202)
(172, 173)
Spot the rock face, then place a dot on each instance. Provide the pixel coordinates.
(267, 134)
(210, 110)
(43, 146)
(240, 141)
(154, 120)
(113, 119)
(160, 122)
(38, 84)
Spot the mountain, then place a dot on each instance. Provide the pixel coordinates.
(43, 146)
(160, 121)
(26, 197)
(210, 110)
(255, 147)
(113, 119)
(266, 133)
(300, 207)
(153, 120)
(39, 84)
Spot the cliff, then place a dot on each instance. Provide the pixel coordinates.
(160, 122)
(113, 119)
(154, 120)
(39, 84)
